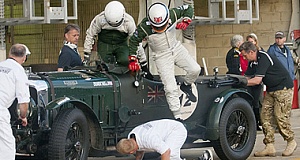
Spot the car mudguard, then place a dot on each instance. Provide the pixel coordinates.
(212, 123)
(96, 131)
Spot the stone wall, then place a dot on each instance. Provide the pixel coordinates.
(213, 41)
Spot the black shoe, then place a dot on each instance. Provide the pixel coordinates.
(179, 120)
(207, 155)
(258, 128)
(187, 89)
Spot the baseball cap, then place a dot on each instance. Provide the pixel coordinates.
(27, 50)
(279, 34)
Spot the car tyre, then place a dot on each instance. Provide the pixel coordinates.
(69, 137)
(237, 131)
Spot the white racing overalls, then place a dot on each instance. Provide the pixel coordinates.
(167, 51)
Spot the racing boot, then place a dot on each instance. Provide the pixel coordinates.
(187, 89)
(290, 148)
(177, 114)
(268, 151)
(207, 155)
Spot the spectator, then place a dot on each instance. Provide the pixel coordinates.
(253, 39)
(159, 29)
(257, 90)
(281, 51)
(113, 26)
(236, 64)
(69, 55)
(164, 136)
(14, 84)
(277, 102)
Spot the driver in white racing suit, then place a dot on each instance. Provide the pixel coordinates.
(159, 29)
(113, 27)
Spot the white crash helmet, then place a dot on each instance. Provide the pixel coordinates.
(114, 13)
(158, 15)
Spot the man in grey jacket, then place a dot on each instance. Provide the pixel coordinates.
(281, 51)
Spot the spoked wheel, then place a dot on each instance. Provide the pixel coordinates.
(237, 131)
(69, 138)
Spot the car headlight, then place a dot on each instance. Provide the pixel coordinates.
(31, 106)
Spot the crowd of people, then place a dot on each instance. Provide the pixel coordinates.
(119, 42)
(275, 70)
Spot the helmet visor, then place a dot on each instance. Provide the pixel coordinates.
(116, 24)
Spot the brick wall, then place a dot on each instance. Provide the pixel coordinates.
(213, 41)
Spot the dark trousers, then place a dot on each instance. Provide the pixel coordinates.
(257, 93)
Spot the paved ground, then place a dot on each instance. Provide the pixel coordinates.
(280, 145)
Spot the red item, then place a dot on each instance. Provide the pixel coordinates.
(183, 24)
(296, 34)
(295, 103)
(133, 64)
(243, 64)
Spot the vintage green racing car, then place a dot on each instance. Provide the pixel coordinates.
(75, 112)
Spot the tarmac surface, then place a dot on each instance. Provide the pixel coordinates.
(280, 144)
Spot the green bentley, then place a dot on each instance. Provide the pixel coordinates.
(75, 112)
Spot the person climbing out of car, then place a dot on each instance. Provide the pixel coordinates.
(113, 26)
(164, 136)
(159, 29)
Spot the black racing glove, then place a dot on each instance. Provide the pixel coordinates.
(241, 81)
(86, 59)
(145, 69)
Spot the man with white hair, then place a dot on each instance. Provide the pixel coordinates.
(14, 84)
(235, 63)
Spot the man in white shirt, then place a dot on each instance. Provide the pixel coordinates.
(164, 136)
(14, 84)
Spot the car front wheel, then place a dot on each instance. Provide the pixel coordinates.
(69, 138)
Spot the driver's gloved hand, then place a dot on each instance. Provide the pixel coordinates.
(86, 59)
(183, 24)
(145, 69)
(133, 63)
